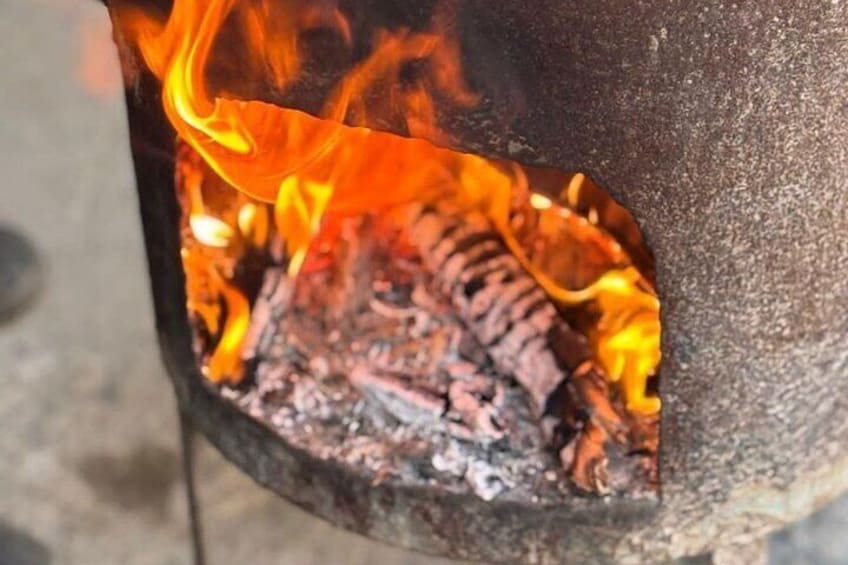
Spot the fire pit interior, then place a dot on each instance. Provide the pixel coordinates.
(389, 287)
(378, 299)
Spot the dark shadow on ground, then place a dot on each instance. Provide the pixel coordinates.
(20, 548)
(139, 480)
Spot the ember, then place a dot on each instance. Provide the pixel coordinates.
(396, 274)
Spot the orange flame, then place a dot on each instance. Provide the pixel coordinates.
(306, 166)
(272, 27)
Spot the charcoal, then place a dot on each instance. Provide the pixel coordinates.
(499, 301)
(523, 333)
(408, 404)
(401, 361)
(477, 402)
(368, 371)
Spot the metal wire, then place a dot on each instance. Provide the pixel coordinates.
(188, 435)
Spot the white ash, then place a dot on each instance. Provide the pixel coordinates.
(451, 461)
(486, 481)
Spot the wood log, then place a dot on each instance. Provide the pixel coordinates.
(527, 339)
(272, 300)
(503, 306)
(401, 345)
(469, 410)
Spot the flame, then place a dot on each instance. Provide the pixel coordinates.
(272, 28)
(253, 223)
(300, 205)
(207, 290)
(226, 359)
(215, 236)
(627, 337)
(307, 166)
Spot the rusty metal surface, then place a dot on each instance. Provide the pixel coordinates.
(723, 129)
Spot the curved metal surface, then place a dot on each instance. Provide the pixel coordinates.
(723, 129)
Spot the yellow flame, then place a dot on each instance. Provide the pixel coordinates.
(253, 223)
(572, 191)
(225, 361)
(299, 208)
(305, 166)
(540, 201)
(627, 337)
(210, 231)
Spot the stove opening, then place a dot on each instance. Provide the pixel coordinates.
(380, 298)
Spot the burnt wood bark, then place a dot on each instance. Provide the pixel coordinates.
(527, 339)
(469, 404)
(501, 303)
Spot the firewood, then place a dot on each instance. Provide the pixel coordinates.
(503, 306)
(477, 402)
(525, 336)
(272, 300)
(469, 410)
(408, 404)
(427, 335)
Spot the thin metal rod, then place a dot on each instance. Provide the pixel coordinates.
(187, 443)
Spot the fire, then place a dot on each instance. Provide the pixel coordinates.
(292, 169)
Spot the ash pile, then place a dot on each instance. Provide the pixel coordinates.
(413, 347)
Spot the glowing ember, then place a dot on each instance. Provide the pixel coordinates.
(295, 171)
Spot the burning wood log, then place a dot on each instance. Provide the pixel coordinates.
(502, 305)
(525, 336)
(400, 346)
(468, 411)
(422, 320)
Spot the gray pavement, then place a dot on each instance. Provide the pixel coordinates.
(89, 468)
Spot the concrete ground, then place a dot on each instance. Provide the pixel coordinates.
(89, 465)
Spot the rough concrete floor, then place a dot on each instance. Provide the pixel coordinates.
(89, 467)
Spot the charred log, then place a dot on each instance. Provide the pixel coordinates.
(362, 348)
(411, 332)
(527, 339)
